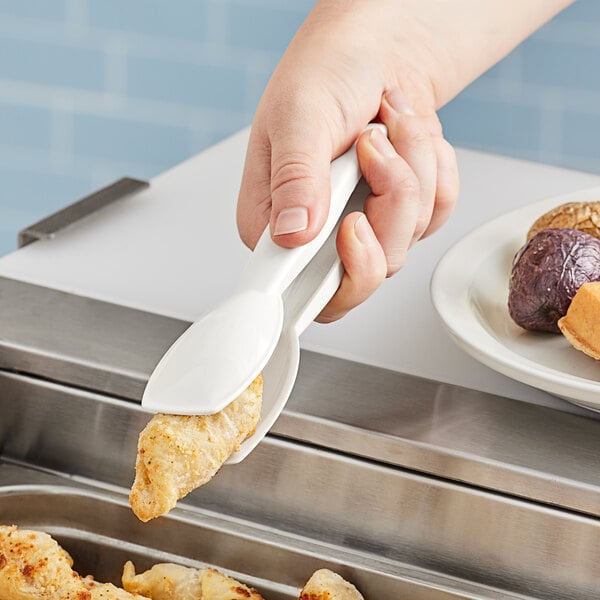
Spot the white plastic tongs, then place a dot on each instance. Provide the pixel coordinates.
(257, 329)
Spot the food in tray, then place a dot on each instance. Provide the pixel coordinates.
(547, 272)
(168, 581)
(327, 585)
(581, 324)
(584, 216)
(179, 453)
(33, 566)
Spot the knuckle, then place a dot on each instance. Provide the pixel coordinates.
(290, 168)
(446, 197)
(395, 261)
(420, 136)
(421, 227)
(448, 185)
(326, 317)
(406, 183)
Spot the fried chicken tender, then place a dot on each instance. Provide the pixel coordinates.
(34, 567)
(167, 581)
(327, 585)
(177, 453)
(217, 586)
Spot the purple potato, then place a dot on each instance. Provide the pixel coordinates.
(547, 272)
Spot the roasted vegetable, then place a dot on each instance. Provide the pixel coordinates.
(547, 272)
(584, 216)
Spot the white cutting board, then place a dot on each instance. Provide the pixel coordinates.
(174, 249)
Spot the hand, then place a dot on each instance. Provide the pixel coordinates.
(336, 77)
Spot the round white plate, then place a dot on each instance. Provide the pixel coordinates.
(469, 290)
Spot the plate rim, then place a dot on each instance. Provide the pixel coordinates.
(449, 291)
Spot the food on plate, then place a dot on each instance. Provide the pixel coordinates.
(584, 216)
(327, 585)
(547, 272)
(581, 324)
(178, 453)
(167, 581)
(33, 565)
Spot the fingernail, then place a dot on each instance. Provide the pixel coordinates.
(291, 220)
(380, 142)
(363, 231)
(397, 100)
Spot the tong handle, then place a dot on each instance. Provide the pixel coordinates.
(317, 283)
(271, 269)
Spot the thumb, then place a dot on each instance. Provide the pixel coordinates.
(285, 185)
(299, 183)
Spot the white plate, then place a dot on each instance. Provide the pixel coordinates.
(469, 290)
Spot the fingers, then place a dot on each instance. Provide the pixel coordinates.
(364, 264)
(393, 206)
(412, 140)
(413, 177)
(448, 185)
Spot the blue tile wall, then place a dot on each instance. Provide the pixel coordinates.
(560, 64)
(215, 84)
(25, 127)
(36, 9)
(177, 19)
(267, 27)
(114, 138)
(52, 62)
(94, 89)
(493, 125)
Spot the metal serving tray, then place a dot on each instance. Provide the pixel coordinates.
(98, 530)
(444, 430)
(337, 505)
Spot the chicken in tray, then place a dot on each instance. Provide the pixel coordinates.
(33, 566)
(167, 581)
(179, 453)
(327, 585)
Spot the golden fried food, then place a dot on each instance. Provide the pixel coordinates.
(164, 581)
(584, 216)
(581, 324)
(177, 454)
(167, 581)
(34, 567)
(327, 585)
(217, 586)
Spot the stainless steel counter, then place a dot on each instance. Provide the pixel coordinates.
(402, 479)
(98, 529)
(429, 495)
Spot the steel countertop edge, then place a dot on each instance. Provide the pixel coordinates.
(433, 419)
(172, 248)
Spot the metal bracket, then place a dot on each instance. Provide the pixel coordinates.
(51, 225)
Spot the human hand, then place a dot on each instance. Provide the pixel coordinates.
(336, 77)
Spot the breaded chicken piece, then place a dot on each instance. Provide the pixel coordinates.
(327, 585)
(177, 453)
(217, 586)
(34, 567)
(167, 581)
